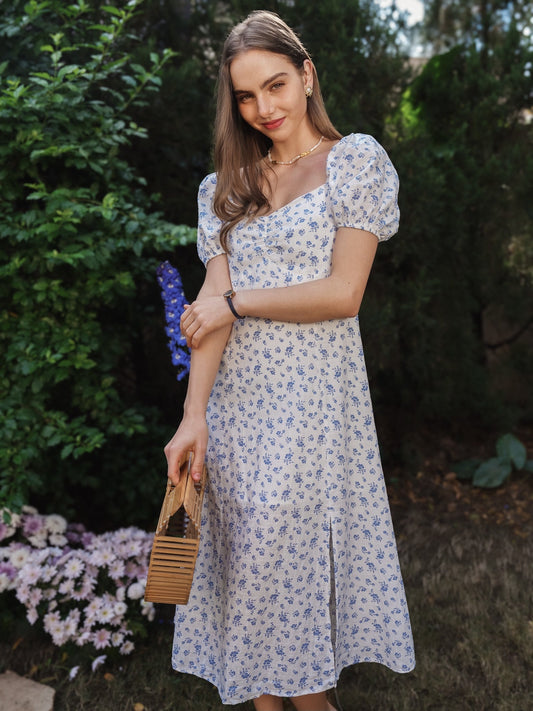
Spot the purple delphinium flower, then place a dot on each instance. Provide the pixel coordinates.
(174, 299)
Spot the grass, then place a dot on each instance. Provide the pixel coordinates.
(469, 587)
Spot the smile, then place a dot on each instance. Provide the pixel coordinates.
(271, 125)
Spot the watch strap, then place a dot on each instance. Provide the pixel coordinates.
(228, 296)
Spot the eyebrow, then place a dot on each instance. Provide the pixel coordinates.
(264, 84)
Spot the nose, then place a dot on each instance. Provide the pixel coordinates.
(264, 105)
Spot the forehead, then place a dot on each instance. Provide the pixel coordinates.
(251, 68)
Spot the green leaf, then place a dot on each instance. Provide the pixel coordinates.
(36, 385)
(67, 450)
(492, 473)
(39, 81)
(69, 69)
(466, 469)
(512, 448)
(113, 10)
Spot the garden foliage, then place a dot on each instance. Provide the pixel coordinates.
(79, 245)
(88, 393)
(511, 456)
(454, 304)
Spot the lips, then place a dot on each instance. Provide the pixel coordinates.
(271, 125)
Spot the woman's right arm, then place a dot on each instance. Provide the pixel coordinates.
(192, 433)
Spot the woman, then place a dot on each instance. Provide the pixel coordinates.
(297, 574)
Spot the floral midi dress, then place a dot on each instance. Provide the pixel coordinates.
(297, 574)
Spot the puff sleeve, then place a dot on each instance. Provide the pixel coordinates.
(364, 187)
(208, 239)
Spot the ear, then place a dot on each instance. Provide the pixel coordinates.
(307, 72)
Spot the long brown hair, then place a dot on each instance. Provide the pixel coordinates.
(239, 148)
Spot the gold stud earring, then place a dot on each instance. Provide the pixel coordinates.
(308, 92)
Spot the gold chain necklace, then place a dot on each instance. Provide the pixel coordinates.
(293, 160)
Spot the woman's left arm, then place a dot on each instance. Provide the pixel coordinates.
(338, 295)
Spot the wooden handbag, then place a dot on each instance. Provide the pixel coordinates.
(176, 540)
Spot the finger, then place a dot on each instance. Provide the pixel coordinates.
(185, 320)
(195, 333)
(197, 338)
(174, 457)
(198, 463)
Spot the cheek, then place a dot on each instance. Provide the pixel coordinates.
(246, 111)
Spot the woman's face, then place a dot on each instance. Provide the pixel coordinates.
(270, 92)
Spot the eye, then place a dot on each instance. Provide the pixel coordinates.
(243, 98)
(278, 85)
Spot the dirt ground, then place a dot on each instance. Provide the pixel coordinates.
(436, 488)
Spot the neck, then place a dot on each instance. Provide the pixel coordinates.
(289, 156)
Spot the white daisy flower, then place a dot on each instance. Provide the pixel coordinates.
(83, 638)
(38, 540)
(122, 535)
(31, 510)
(94, 606)
(135, 591)
(116, 569)
(66, 587)
(127, 647)
(98, 662)
(73, 568)
(120, 608)
(32, 616)
(71, 623)
(117, 638)
(96, 558)
(30, 574)
(131, 549)
(57, 539)
(148, 610)
(35, 597)
(6, 530)
(56, 523)
(105, 614)
(101, 639)
(19, 557)
(48, 572)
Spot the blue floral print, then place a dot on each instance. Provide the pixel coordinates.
(297, 574)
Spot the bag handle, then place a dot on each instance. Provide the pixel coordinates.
(175, 494)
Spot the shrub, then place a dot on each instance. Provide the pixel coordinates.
(79, 245)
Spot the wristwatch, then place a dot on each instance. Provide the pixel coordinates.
(228, 295)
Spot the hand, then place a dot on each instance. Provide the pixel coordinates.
(191, 436)
(203, 317)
